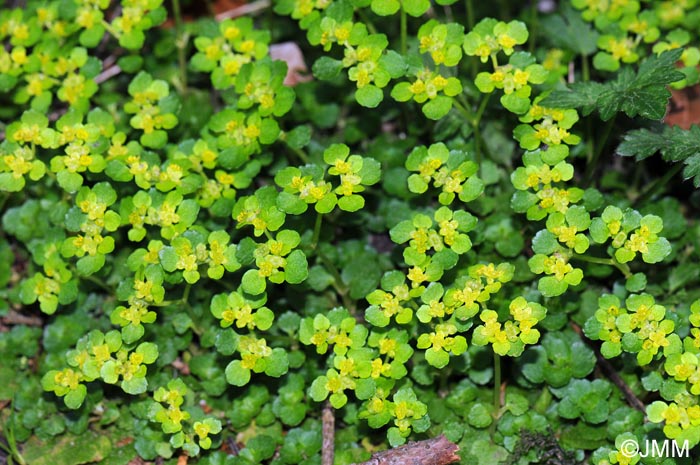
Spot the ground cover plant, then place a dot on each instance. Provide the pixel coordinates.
(468, 219)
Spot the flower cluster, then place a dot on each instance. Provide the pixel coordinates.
(631, 233)
(277, 260)
(514, 79)
(625, 28)
(91, 218)
(451, 171)
(489, 37)
(307, 185)
(510, 337)
(337, 330)
(167, 410)
(235, 44)
(187, 252)
(681, 414)
(641, 327)
(153, 109)
(429, 87)
(409, 414)
(237, 310)
(364, 55)
(256, 357)
(101, 355)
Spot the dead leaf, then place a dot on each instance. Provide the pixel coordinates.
(684, 107)
(181, 366)
(296, 66)
(182, 460)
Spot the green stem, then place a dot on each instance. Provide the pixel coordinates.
(3, 198)
(181, 44)
(586, 76)
(338, 283)
(473, 122)
(589, 259)
(532, 27)
(482, 107)
(317, 230)
(592, 165)
(97, 281)
(585, 68)
(12, 444)
(474, 62)
(365, 19)
(186, 293)
(474, 119)
(468, 115)
(110, 29)
(470, 13)
(300, 153)
(659, 184)
(623, 267)
(496, 382)
(496, 390)
(404, 31)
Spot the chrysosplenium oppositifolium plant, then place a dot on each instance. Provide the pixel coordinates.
(432, 235)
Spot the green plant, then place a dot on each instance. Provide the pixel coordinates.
(194, 255)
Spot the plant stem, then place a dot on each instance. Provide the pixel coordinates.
(470, 13)
(181, 44)
(317, 230)
(300, 153)
(473, 120)
(496, 382)
(589, 259)
(12, 444)
(110, 29)
(365, 19)
(496, 390)
(532, 27)
(404, 31)
(97, 281)
(623, 267)
(468, 115)
(585, 69)
(482, 107)
(592, 165)
(474, 61)
(186, 293)
(338, 283)
(659, 183)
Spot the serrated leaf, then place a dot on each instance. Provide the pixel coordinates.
(569, 31)
(583, 95)
(675, 145)
(642, 93)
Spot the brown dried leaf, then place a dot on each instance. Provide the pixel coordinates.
(296, 66)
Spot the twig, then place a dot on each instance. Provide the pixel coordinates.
(247, 9)
(15, 318)
(435, 451)
(328, 432)
(108, 73)
(232, 446)
(611, 373)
